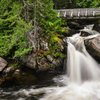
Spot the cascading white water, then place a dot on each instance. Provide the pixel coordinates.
(83, 78)
(80, 65)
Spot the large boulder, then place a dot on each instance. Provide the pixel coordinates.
(42, 63)
(97, 27)
(30, 61)
(3, 64)
(93, 47)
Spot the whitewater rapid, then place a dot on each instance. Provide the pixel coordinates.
(82, 80)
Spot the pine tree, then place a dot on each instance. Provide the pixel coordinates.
(13, 41)
(22, 22)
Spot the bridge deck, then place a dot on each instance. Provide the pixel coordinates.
(79, 13)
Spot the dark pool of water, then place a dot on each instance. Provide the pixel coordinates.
(9, 93)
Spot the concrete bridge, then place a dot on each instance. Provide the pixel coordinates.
(80, 13)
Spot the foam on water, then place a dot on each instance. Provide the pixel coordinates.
(81, 81)
(84, 91)
(80, 65)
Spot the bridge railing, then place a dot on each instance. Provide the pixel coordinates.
(79, 13)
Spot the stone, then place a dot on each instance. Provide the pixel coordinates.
(44, 45)
(3, 64)
(9, 70)
(18, 77)
(42, 64)
(49, 58)
(87, 32)
(75, 25)
(93, 47)
(58, 62)
(89, 26)
(30, 61)
(41, 60)
(97, 27)
(70, 32)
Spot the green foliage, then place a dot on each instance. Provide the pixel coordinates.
(15, 19)
(21, 44)
(88, 3)
(52, 28)
(44, 16)
(13, 40)
(63, 4)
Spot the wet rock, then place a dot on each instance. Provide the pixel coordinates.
(41, 59)
(22, 77)
(75, 25)
(48, 63)
(8, 71)
(17, 77)
(55, 62)
(49, 58)
(30, 61)
(3, 64)
(58, 62)
(35, 59)
(87, 32)
(97, 27)
(93, 47)
(42, 64)
(70, 32)
(44, 45)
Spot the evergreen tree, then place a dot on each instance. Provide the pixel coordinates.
(88, 3)
(22, 21)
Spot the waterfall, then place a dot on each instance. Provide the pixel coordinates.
(82, 81)
(80, 65)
